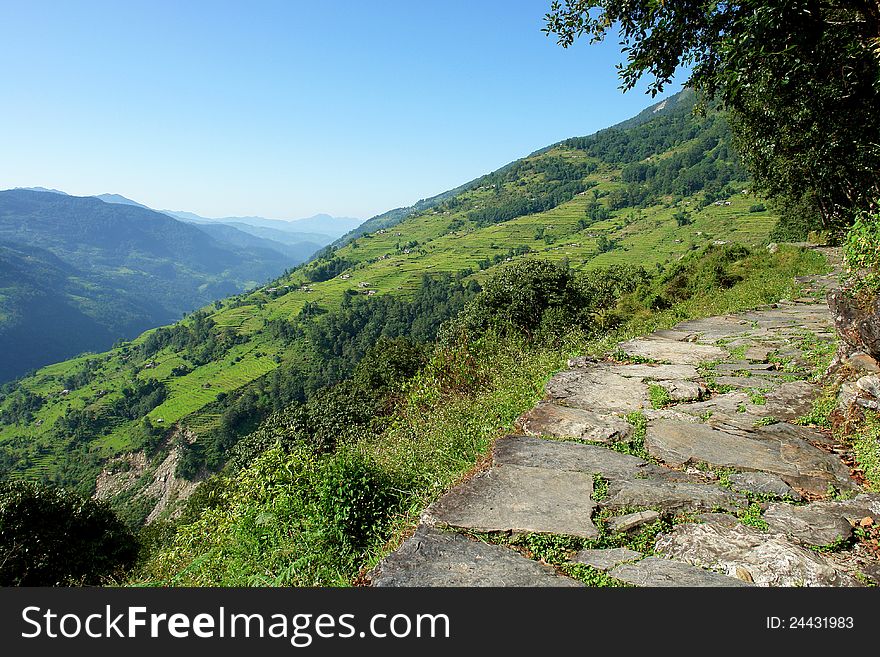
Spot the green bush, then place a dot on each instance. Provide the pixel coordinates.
(862, 252)
(50, 536)
(354, 498)
(543, 299)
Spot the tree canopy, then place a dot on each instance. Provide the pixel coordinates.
(800, 78)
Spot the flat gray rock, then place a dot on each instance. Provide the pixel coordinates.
(755, 369)
(598, 390)
(673, 351)
(520, 500)
(435, 558)
(808, 524)
(758, 353)
(548, 419)
(631, 521)
(792, 459)
(725, 519)
(762, 483)
(768, 559)
(650, 372)
(669, 496)
(656, 571)
(684, 391)
(530, 452)
(791, 400)
(606, 559)
(745, 382)
(716, 328)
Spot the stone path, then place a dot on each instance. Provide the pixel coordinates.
(722, 447)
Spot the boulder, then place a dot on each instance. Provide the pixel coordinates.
(857, 321)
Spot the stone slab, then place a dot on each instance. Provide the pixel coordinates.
(794, 460)
(606, 559)
(518, 499)
(769, 559)
(547, 419)
(684, 391)
(434, 558)
(530, 452)
(762, 483)
(673, 351)
(598, 390)
(669, 496)
(656, 571)
(810, 524)
(630, 521)
(745, 382)
(650, 372)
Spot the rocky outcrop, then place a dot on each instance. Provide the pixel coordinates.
(155, 481)
(857, 321)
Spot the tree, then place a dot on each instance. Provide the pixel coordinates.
(683, 218)
(50, 536)
(801, 79)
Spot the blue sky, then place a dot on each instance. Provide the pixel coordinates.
(285, 109)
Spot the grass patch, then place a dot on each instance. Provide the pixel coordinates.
(659, 396)
(753, 516)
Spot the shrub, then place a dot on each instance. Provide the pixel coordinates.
(354, 498)
(50, 536)
(862, 252)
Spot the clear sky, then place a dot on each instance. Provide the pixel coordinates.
(286, 109)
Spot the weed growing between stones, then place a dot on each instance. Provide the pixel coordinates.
(659, 396)
(753, 516)
(823, 406)
(600, 488)
(636, 445)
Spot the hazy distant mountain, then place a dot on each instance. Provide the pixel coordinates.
(117, 198)
(42, 189)
(320, 224)
(76, 273)
(298, 247)
(324, 223)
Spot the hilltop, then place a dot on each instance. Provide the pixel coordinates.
(646, 193)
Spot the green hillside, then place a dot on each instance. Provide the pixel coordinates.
(76, 274)
(644, 194)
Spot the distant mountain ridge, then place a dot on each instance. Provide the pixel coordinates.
(79, 272)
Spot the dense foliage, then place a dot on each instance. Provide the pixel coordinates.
(800, 79)
(51, 537)
(862, 251)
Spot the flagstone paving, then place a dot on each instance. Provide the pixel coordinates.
(723, 446)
